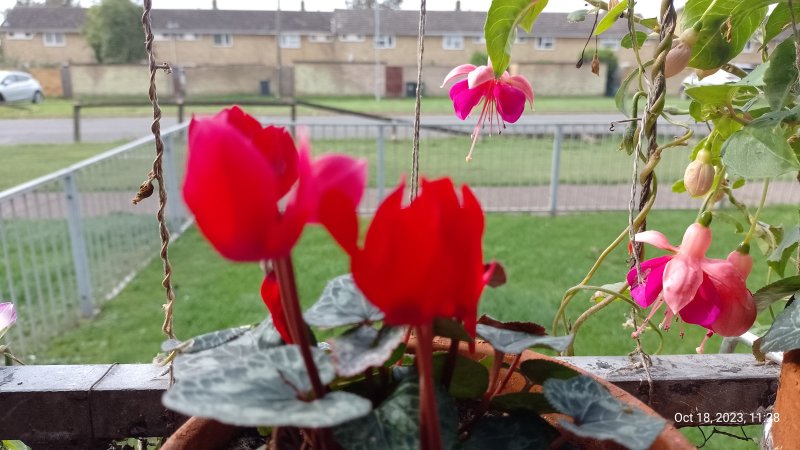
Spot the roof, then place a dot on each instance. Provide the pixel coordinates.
(341, 21)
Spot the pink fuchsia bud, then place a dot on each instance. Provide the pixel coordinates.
(696, 241)
(741, 260)
(677, 58)
(699, 175)
(8, 315)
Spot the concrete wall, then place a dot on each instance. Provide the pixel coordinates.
(98, 79)
(228, 79)
(33, 51)
(333, 78)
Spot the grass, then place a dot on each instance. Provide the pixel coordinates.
(433, 105)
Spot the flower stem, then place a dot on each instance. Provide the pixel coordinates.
(754, 219)
(428, 413)
(450, 363)
(294, 318)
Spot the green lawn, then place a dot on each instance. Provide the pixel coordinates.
(433, 105)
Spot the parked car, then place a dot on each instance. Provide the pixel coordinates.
(19, 87)
(719, 77)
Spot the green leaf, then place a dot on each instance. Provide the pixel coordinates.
(503, 337)
(679, 187)
(756, 77)
(470, 378)
(13, 445)
(778, 290)
(727, 218)
(781, 76)
(449, 328)
(759, 152)
(540, 370)
(394, 425)
(779, 19)
(530, 18)
(577, 15)
(260, 389)
(784, 335)
(205, 341)
(365, 347)
(780, 256)
(529, 401)
(600, 415)
(621, 97)
(641, 38)
(501, 28)
(611, 16)
(727, 26)
(521, 431)
(340, 304)
(650, 22)
(775, 118)
(721, 94)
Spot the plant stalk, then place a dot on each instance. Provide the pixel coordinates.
(428, 412)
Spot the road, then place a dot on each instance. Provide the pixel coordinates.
(29, 131)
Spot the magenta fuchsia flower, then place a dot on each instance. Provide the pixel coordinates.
(503, 98)
(7, 317)
(702, 291)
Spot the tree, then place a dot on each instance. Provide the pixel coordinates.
(370, 4)
(114, 31)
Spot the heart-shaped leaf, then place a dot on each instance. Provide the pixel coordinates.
(778, 290)
(599, 415)
(780, 256)
(470, 378)
(515, 337)
(611, 16)
(521, 431)
(759, 152)
(540, 370)
(515, 401)
(340, 304)
(263, 388)
(784, 335)
(641, 38)
(365, 347)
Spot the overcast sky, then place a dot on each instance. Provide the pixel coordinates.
(648, 7)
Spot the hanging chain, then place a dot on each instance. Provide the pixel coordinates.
(157, 173)
(415, 151)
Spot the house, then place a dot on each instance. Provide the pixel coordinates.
(45, 36)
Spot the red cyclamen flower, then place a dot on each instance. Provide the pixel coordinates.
(424, 260)
(703, 291)
(503, 98)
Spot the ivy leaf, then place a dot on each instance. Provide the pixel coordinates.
(365, 347)
(261, 388)
(778, 290)
(540, 370)
(501, 28)
(395, 423)
(784, 335)
(759, 152)
(518, 431)
(599, 415)
(470, 378)
(611, 16)
(526, 401)
(779, 19)
(781, 75)
(641, 38)
(780, 256)
(727, 26)
(515, 337)
(577, 15)
(340, 304)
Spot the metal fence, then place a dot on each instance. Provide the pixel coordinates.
(72, 239)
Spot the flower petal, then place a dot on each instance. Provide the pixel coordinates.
(479, 76)
(8, 316)
(270, 294)
(460, 70)
(652, 274)
(464, 98)
(704, 308)
(737, 309)
(682, 278)
(277, 146)
(510, 102)
(521, 83)
(656, 239)
(742, 262)
(696, 241)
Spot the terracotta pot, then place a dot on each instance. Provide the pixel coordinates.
(206, 434)
(786, 429)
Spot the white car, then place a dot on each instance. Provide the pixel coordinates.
(19, 87)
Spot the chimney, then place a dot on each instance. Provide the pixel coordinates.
(213, 4)
(458, 5)
(302, 5)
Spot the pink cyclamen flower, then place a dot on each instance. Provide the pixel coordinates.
(503, 98)
(8, 315)
(702, 291)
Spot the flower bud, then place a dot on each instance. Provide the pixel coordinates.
(689, 37)
(742, 261)
(595, 65)
(677, 58)
(699, 175)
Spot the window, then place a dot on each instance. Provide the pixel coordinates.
(384, 41)
(54, 39)
(20, 35)
(320, 38)
(453, 42)
(545, 43)
(223, 40)
(290, 41)
(186, 36)
(609, 44)
(479, 39)
(351, 37)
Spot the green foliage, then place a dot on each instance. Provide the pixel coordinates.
(778, 290)
(781, 76)
(501, 28)
(779, 19)
(784, 335)
(611, 17)
(114, 31)
(478, 58)
(522, 431)
(470, 378)
(759, 152)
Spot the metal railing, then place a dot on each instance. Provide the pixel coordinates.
(71, 240)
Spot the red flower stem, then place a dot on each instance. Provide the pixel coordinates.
(494, 375)
(294, 318)
(511, 369)
(450, 363)
(428, 413)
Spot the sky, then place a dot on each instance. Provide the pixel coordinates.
(648, 7)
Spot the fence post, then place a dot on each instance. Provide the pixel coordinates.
(380, 172)
(555, 169)
(293, 117)
(76, 122)
(80, 257)
(174, 208)
(180, 110)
